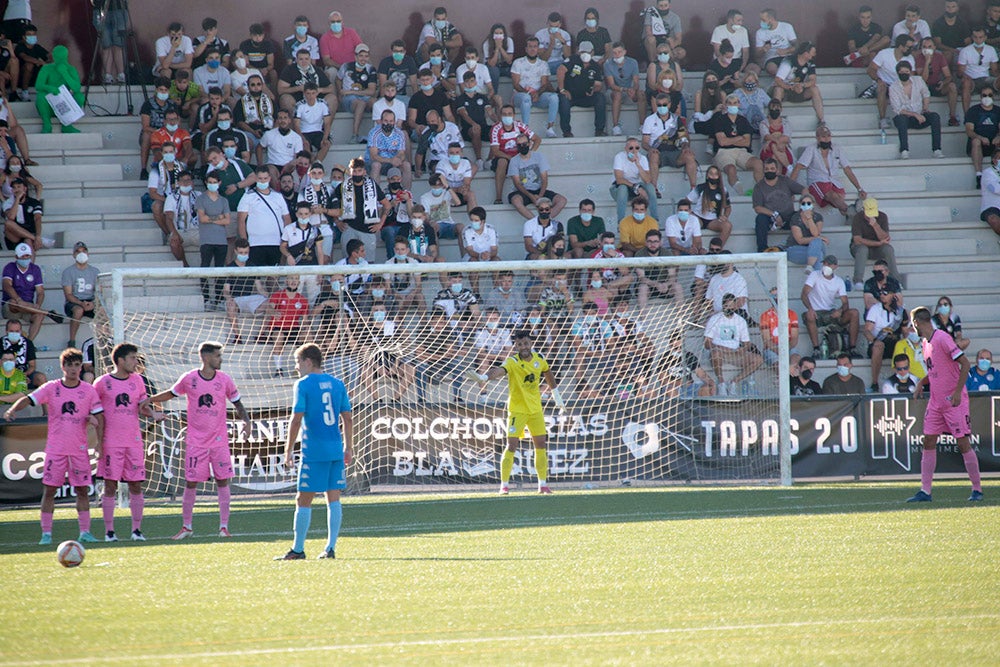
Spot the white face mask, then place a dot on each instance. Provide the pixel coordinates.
(82, 257)
(241, 63)
(827, 271)
(586, 57)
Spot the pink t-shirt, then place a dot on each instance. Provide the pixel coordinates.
(206, 407)
(940, 353)
(340, 50)
(120, 400)
(69, 409)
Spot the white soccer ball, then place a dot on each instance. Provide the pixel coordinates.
(70, 553)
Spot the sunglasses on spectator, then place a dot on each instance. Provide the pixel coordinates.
(902, 368)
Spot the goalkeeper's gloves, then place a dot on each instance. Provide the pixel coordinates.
(557, 397)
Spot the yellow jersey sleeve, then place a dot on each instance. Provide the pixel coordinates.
(523, 379)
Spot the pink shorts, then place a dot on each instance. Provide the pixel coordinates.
(57, 466)
(943, 418)
(819, 191)
(202, 464)
(122, 464)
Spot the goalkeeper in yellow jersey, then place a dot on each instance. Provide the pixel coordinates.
(524, 372)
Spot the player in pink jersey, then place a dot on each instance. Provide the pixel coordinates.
(948, 406)
(73, 406)
(122, 458)
(206, 445)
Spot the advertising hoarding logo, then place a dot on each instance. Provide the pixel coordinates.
(891, 424)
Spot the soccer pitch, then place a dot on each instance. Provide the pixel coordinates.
(812, 574)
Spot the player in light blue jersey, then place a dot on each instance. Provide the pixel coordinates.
(321, 405)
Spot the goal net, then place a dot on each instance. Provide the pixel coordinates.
(625, 339)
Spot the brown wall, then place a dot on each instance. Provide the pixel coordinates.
(381, 21)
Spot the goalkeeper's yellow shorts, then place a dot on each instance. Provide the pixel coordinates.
(518, 421)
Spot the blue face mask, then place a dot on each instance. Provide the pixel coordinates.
(764, 25)
(214, 64)
(944, 310)
(437, 191)
(426, 87)
(683, 216)
(229, 151)
(586, 217)
(163, 97)
(336, 26)
(435, 60)
(225, 124)
(596, 284)
(335, 285)
(301, 30)
(14, 336)
(589, 320)
(171, 128)
(476, 225)
(378, 315)
(663, 111)
(24, 263)
(456, 288)
(243, 258)
(806, 206)
(984, 364)
(732, 110)
(913, 337)
(454, 159)
(212, 187)
(398, 57)
(534, 321)
(8, 366)
(609, 247)
(169, 158)
(440, 24)
(843, 371)
(263, 186)
(378, 294)
(31, 40)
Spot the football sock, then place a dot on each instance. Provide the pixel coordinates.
(136, 504)
(303, 516)
(47, 522)
(108, 509)
(541, 465)
(506, 465)
(187, 506)
(928, 462)
(972, 467)
(83, 518)
(224, 495)
(334, 516)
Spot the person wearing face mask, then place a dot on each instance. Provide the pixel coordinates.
(287, 309)
(480, 242)
(22, 218)
(242, 294)
(683, 231)
(438, 203)
(503, 146)
(173, 133)
(870, 239)
(726, 68)
(14, 342)
(736, 34)
(153, 115)
(456, 297)
(213, 75)
(312, 122)
(337, 44)
(727, 338)
(843, 382)
(30, 55)
(982, 127)
(660, 25)
(260, 217)
(301, 40)
(795, 79)
(825, 298)
(931, 65)
(753, 100)
(983, 377)
(539, 229)
(989, 201)
(476, 114)
(946, 319)
(529, 174)
(357, 85)
(390, 101)
(708, 101)
(530, 76)
(776, 138)
(584, 230)
(387, 149)
(774, 41)
(977, 65)
(439, 30)
(711, 203)
(162, 183)
(492, 343)
(362, 207)
(484, 84)
(13, 383)
(24, 293)
(633, 178)
(824, 163)
(632, 228)
(235, 176)
(806, 243)
(422, 239)
(457, 173)
(554, 43)
(773, 201)
(397, 222)
(803, 383)
(556, 297)
(621, 78)
(769, 333)
(432, 146)
(664, 75)
(215, 220)
(594, 33)
(911, 102)
(901, 381)
(254, 113)
(206, 117)
(660, 281)
(302, 245)
(78, 282)
(224, 132)
(883, 71)
(498, 52)
(883, 325)
(282, 144)
(910, 346)
(665, 139)
(881, 279)
(180, 213)
(732, 136)
(509, 302)
(579, 83)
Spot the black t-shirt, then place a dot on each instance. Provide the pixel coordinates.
(241, 286)
(423, 103)
(799, 72)
(580, 78)
(810, 388)
(360, 78)
(157, 113)
(34, 51)
(399, 74)
(291, 75)
(722, 72)
(257, 53)
(475, 106)
(907, 386)
(872, 287)
(23, 351)
(358, 221)
(600, 38)
(218, 43)
(860, 36)
(722, 123)
(304, 250)
(953, 36)
(216, 137)
(205, 113)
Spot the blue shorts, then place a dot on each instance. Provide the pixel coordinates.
(321, 476)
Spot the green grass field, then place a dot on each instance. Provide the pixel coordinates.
(824, 574)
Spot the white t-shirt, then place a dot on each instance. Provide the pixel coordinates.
(482, 73)
(886, 61)
(239, 81)
(439, 145)
(781, 37)
(921, 30)
(825, 293)
(455, 175)
(683, 232)
(629, 169)
(658, 128)
(438, 207)
(488, 47)
(264, 216)
(537, 233)
(163, 48)
(740, 39)
(531, 74)
(311, 45)
(396, 107)
(479, 242)
(281, 149)
(18, 9)
(557, 40)
(990, 197)
(882, 318)
(720, 285)
(969, 57)
(311, 116)
(183, 208)
(727, 331)
(207, 79)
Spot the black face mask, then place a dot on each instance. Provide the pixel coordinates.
(523, 149)
(712, 85)
(825, 145)
(544, 216)
(904, 77)
(559, 252)
(387, 127)
(770, 175)
(712, 181)
(395, 187)
(806, 373)
(358, 180)
(774, 113)
(879, 275)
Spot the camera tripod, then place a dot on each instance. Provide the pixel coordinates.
(131, 64)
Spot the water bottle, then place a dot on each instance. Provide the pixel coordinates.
(882, 139)
(824, 349)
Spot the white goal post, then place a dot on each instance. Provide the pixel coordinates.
(644, 402)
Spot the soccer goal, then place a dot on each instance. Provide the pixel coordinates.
(625, 339)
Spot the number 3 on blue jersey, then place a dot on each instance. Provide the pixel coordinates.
(329, 415)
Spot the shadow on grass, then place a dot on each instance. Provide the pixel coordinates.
(401, 516)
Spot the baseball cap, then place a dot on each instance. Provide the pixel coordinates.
(871, 207)
(831, 260)
(393, 171)
(361, 47)
(23, 250)
(586, 46)
(78, 245)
